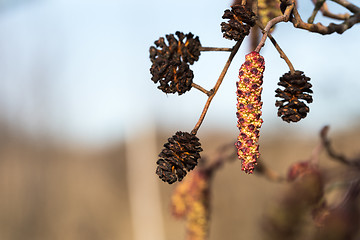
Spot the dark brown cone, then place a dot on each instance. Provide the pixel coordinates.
(241, 19)
(171, 60)
(180, 155)
(296, 87)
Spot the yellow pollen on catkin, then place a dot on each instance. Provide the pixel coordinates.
(249, 109)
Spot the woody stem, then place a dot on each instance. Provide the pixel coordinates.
(217, 85)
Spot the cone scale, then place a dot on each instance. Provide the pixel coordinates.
(249, 110)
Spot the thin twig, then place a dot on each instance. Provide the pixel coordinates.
(222, 156)
(282, 54)
(278, 48)
(315, 154)
(217, 85)
(351, 7)
(329, 14)
(318, 6)
(319, 28)
(200, 88)
(336, 156)
(326, 13)
(271, 175)
(208, 49)
(272, 22)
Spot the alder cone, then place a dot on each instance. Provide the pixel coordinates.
(180, 155)
(171, 60)
(241, 19)
(296, 88)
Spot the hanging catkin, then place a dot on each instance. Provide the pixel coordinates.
(249, 109)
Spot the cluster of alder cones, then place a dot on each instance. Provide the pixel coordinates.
(170, 68)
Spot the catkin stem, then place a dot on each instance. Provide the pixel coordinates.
(278, 48)
(272, 22)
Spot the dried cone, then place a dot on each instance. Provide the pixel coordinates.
(241, 19)
(180, 154)
(297, 86)
(249, 109)
(171, 60)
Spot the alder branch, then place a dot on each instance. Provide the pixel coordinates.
(351, 7)
(326, 12)
(318, 5)
(277, 47)
(263, 170)
(223, 155)
(217, 85)
(214, 49)
(324, 30)
(272, 22)
(200, 88)
(329, 14)
(334, 155)
(314, 159)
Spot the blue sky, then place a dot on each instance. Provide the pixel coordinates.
(80, 69)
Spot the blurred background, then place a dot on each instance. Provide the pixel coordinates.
(82, 123)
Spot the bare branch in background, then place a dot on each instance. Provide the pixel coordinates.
(355, 162)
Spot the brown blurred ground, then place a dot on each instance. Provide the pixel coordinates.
(53, 191)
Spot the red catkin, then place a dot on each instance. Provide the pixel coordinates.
(249, 110)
